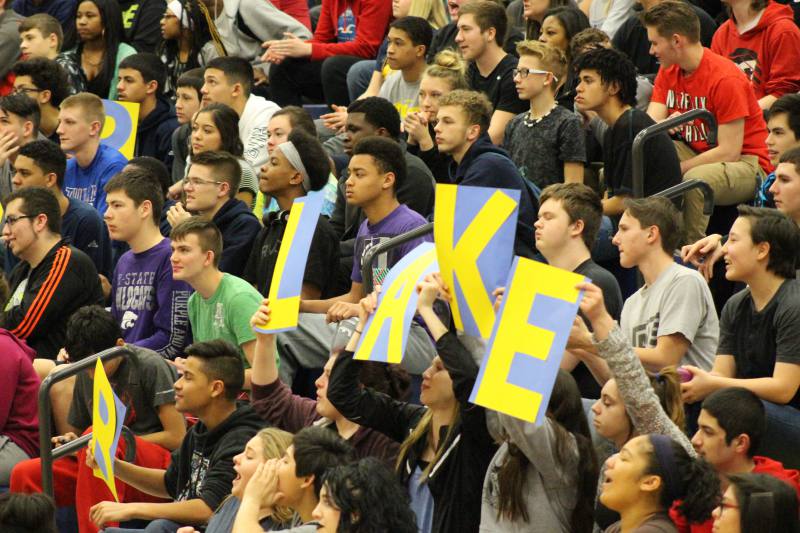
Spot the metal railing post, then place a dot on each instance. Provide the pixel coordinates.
(394, 242)
(637, 150)
(47, 453)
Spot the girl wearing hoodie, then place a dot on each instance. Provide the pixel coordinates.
(762, 39)
(446, 446)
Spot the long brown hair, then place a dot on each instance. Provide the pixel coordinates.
(565, 410)
(422, 430)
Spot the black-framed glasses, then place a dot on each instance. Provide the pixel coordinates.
(25, 90)
(525, 72)
(11, 220)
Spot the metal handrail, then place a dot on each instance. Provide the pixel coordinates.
(375, 251)
(685, 186)
(637, 149)
(47, 454)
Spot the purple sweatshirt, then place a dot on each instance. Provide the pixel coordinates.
(19, 390)
(149, 305)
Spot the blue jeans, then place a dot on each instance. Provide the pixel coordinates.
(358, 78)
(783, 434)
(156, 526)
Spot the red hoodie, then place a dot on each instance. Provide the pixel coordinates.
(768, 53)
(19, 391)
(371, 21)
(763, 465)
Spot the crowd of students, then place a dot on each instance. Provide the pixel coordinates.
(677, 405)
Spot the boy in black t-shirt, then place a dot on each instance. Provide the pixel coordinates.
(607, 86)
(760, 327)
(294, 169)
(481, 30)
(569, 219)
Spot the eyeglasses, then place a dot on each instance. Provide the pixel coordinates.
(525, 72)
(725, 505)
(195, 182)
(11, 220)
(25, 90)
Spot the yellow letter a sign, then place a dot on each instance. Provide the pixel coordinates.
(386, 330)
(525, 351)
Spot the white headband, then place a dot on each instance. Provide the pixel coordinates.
(289, 150)
(177, 9)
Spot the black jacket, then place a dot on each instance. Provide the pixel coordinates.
(64, 281)
(202, 467)
(154, 136)
(486, 165)
(456, 480)
(239, 228)
(141, 20)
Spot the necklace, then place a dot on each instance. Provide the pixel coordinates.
(529, 121)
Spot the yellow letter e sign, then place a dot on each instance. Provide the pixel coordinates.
(527, 344)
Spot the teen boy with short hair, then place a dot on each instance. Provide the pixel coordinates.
(409, 39)
(759, 325)
(200, 474)
(210, 187)
(42, 37)
(376, 170)
(481, 32)
(461, 131)
(693, 77)
(141, 80)
(556, 133)
(19, 125)
(81, 120)
(42, 164)
(45, 81)
(222, 304)
(52, 280)
(731, 431)
(149, 304)
(607, 86)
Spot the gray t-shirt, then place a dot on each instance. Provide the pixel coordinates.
(679, 301)
(143, 382)
(541, 149)
(404, 95)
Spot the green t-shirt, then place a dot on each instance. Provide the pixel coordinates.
(226, 315)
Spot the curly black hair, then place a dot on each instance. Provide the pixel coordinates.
(613, 67)
(370, 498)
(696, 482)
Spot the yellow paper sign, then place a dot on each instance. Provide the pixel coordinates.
(528, 341)
(119, 129)
(474, 229)
(290, 267)
(108, 414)
(386, 331)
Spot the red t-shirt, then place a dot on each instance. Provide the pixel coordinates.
(719, 86)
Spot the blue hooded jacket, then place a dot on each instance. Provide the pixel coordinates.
(486, 165)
